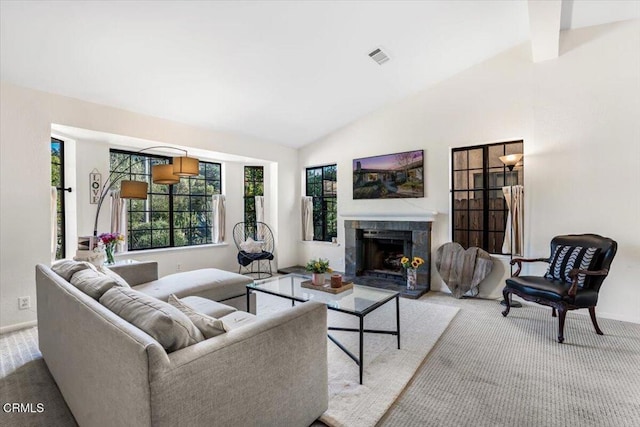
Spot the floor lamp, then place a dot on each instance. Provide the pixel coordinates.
(160, 174)
(510, 161)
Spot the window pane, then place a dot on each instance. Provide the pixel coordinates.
(460, 181)
(459, 160)
(197, 186)
(476, 159)
(476, 178)
(495, 151)
(159, 203)
(475, 220)
(496, 200)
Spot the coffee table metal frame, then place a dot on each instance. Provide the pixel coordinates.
(360, 314)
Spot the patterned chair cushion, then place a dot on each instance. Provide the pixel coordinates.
(566, 258)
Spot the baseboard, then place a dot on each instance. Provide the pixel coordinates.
(17, 326)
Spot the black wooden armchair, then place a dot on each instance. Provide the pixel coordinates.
(578, 265)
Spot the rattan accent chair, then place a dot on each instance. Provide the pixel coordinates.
(254, 262)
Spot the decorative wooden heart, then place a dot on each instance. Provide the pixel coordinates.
(462, 270)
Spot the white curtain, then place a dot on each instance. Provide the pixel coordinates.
(54, 222)
(119, 218)
(307, 218)
(259, 200)
(217, 218)
(514, 196)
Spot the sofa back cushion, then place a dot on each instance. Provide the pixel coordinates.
(208, 325)
(67, 268)
(115, 276)
(165, 323)
(94, 283)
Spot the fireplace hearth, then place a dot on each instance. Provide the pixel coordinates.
(373, 250)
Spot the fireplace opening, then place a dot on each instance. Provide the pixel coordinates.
(383, 251)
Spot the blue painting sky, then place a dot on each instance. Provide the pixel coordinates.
(383, 162)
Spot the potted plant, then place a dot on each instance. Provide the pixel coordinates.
(318, 267)
(412, 266)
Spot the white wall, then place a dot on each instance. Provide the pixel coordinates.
(26, 117)
(579, 118)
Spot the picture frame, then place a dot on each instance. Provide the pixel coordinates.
(389, 176)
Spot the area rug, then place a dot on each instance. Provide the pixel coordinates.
(387, 370)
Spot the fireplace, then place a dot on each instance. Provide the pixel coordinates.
(382, 252)
(373, 250)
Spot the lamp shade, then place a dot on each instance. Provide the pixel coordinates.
(133, 189)
(510, 160)
(186, 166)
(163, 174)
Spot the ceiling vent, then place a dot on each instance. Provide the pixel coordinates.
(379, 56)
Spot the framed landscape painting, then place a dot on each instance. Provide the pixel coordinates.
(391, 176)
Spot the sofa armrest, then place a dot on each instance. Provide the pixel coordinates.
(269, 372)
(137, 273)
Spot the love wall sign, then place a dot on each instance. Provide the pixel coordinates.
(95, 184)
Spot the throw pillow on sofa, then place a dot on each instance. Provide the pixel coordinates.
(93, 283)
(165, 323)
(67, 268)
(115, 276)
(209, 326)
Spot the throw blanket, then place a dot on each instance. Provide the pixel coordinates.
(246, 258)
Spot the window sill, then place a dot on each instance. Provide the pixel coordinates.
(319, 242)
(161, 250)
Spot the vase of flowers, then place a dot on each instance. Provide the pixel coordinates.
(412, 270)
(318, 267)
(109, 241)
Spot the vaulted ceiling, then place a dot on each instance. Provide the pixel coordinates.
(285, 71)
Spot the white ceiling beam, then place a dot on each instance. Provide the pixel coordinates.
(544, 23)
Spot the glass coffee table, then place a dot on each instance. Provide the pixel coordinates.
(358, 301)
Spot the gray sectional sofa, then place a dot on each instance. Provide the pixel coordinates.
(270, 372)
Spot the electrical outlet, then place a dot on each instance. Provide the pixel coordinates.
(24, 303)
(178, 267)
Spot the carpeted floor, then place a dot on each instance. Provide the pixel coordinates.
(485, 370)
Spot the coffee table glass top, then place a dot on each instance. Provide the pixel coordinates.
(358, 300)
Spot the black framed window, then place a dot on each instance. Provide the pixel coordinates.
(172, 215)
(57, 181)
(322, 185)
(253, 186)
(479, 211)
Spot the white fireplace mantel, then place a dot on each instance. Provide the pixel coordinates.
(428, 216)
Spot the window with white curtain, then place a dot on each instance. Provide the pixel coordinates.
(478, 207)
(172, 215)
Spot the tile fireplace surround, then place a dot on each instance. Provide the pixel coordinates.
(420, 244)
